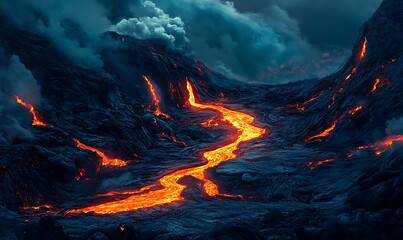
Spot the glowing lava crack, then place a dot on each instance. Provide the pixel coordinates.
(168, 190)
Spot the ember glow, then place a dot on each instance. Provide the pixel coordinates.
(209, 123)
(168, 190)
(384, 145)
(105, 160)
(301, 106)
(353, 71)
(314, 165)
(379, 84)
(164, 136)
(330, 129)
(335, 96)
(355, 110)
(156, 101)
(377, 81)
(324, 134)
(363, 49)
(36, 120)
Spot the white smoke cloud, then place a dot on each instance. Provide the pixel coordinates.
(15, 79)
(158, 25)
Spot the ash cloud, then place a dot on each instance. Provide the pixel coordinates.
(73, 26)
(272, 41)
(15, 79)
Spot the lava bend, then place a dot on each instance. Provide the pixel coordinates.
(168, 190)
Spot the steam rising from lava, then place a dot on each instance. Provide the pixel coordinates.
(168, 190)
(15, 80)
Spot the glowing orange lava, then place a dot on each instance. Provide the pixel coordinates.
(156, 101)
(355, 110)
(384, 145)
(379, 84)
(209, 123)
(329, 130)
(324, 134)
(314, 165)
(36, 121)
(363, 49)
(105, 160)
(45, 206)
(168, 190)
(163, 136)
(301, 106)
(377, 81)
(334, 97)
(353, 71)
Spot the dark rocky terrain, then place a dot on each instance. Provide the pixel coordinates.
(288, 192)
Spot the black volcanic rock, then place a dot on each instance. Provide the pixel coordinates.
(283, 196)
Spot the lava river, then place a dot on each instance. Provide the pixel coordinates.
(168, 190)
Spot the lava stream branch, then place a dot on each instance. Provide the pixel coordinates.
(156, 102)
(36, 119)
(330, 129)
(168, 190)
(105, 160)
(384, 145)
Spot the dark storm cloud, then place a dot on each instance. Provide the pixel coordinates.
(244, 44)
(266, 40)
(271, 40)
(323, 23)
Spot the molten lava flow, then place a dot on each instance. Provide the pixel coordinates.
(105, 160)
(355, 110)
(80, 173)
(163, 137)
(168, 190)
(209, 123)
(363, 49)
(301, 106)
(329, 130)
(36, 121)
(353, 71)
(379, 84)
(156, 101)
(324, 134)
(334, 97)
(313, 165)
(384, 145)
(45, 206)
(377, 81)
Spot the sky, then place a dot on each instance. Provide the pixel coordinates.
(271, 41)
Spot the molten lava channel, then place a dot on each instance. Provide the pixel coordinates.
(156, 101)
(36, 120)
(168, 190)
(105, 160)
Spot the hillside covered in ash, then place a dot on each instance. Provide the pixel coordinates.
(156, 145)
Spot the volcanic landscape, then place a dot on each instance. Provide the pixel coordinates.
(159, 146)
